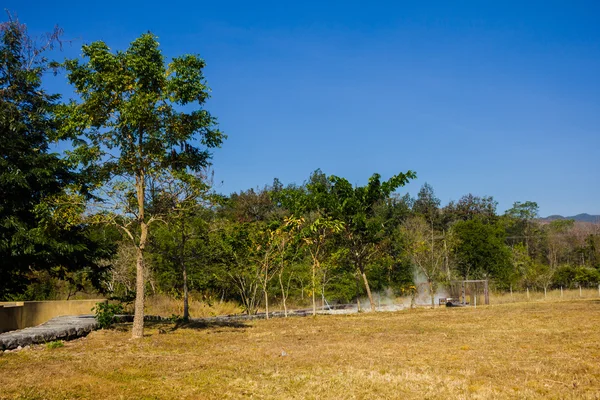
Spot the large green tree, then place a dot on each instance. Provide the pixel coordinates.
(356, 207)
(36, 230)
(480, 251)
(130, 128)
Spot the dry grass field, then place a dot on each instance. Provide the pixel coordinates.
(524, 350)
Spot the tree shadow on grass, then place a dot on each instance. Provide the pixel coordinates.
(218, 326)
(203, 324)
(166, 326)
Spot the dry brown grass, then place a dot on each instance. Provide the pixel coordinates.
(527, 350)
(166, 306)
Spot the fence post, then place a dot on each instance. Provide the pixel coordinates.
(580, 295)
(527, 294)
(561, 292)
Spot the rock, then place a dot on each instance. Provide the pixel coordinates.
(57, 328)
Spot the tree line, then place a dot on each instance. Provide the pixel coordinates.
(129, 208)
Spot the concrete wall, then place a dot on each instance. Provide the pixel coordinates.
(23, 314)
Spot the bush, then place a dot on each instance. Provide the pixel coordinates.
(105, 313)
(573, 276)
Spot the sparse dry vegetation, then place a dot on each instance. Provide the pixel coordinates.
(524, 350)
(166, 306)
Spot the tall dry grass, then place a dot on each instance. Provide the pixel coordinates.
(540, 296)
(167, 306)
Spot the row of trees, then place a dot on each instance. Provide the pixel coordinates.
(129, 208)
(329, 240)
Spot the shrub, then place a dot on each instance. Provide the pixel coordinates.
(105, 313)
(573, 276)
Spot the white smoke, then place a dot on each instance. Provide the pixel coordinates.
(422, 295)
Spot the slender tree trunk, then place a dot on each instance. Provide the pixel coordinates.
(186, 308)
(314, 278)
(446, 260)
(283, 295)
(266, 302)
(366, 281)
(138, 317)
(358, 294)
(432, 294)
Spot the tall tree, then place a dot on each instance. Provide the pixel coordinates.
(427, 204)
(426, 252)
(356, 207)
(128, 129)
(316, 236)
(37, 231)
(522, 222)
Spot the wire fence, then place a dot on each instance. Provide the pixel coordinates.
(533, 295)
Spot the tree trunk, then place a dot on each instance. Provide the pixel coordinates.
(358, 294)
(446, 258)
(314, 278)
(366, 281)
(186, 309)
(283, 296)
(432, 294)
(266, 302)
(138, 317)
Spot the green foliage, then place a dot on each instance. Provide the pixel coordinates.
(479, 250)
(130, 105)
(55, 345)
(105, 313)
(427, 204)
(40, 205)
(469, 207)
(573, 276)
(425, 249)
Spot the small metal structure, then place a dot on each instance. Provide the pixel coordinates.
(460, 289)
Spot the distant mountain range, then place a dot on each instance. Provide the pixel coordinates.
(579, 218)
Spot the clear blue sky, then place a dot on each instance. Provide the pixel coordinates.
(494, 98)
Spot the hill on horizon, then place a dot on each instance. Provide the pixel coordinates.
(578, 218)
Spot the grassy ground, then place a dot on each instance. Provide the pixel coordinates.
(527, 350)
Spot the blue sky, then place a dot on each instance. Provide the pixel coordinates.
(491, 98)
